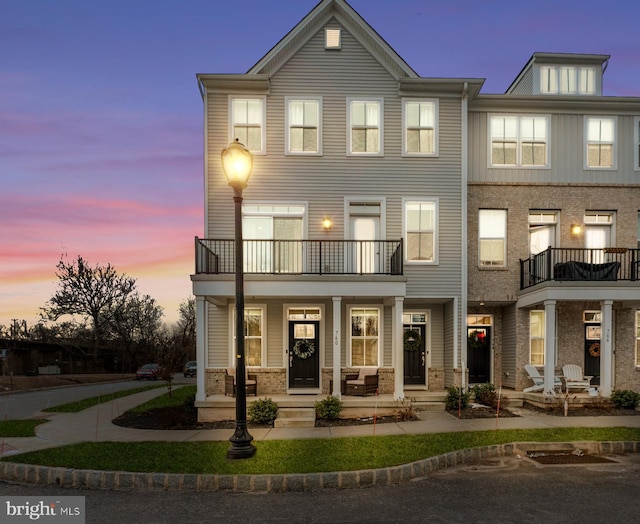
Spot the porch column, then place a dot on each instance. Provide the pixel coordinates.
(549, 346)
(606, 348)
(201, 346)
(397, 349)
(337, 348)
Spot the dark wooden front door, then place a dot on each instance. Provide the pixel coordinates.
(479, 354)
(592, 351)
(304, 354)
(415, 354)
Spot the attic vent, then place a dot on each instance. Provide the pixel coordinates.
(332, 38)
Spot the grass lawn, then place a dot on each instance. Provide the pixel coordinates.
(19, 428)
(74, 407)
(297, 456)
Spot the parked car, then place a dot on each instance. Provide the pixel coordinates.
(190, 368)
(148, 371)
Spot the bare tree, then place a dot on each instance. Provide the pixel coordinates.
(136, 328)
(93, 292)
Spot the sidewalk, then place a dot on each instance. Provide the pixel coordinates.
(94, 425)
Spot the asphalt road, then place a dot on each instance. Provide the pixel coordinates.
(509, 491)
(26, 404)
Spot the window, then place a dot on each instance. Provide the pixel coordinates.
(492, 228)
(332, 39)
(263, 225)
(542, 230)
(600, 133)
(253, 335)
(365, 336)
(247, 123)
(420, 230)
(420, 127)
(637, 338)
(536, 338)
(567, 80)
(304, 126)
(519, 140)
(365, 129)
(598, 228)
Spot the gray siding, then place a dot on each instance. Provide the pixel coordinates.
(566, 148)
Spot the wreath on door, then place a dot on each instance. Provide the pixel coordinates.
(304, 348)
(412, 340)
(594, 349)
(477, 339)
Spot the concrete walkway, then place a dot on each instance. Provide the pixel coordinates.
(94, 425)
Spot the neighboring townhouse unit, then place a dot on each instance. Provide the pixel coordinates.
(354, 217)
(554, 227)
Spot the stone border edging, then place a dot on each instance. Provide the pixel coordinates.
(280, 483)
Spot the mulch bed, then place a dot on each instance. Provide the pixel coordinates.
(471, 412)
(587, 411)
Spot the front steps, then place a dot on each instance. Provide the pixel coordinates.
(295, 418)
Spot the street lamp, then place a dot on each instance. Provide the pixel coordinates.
(237, 162)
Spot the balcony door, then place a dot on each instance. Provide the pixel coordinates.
(364, 226)
(597, 235)
(272, 235)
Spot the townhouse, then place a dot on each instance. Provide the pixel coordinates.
(413, 225)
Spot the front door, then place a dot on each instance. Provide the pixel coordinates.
(592, 351)
(304, 354)
(479, 354)
(415, 353)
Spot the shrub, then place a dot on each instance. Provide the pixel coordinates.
(405, 410)
(456, 397)
(486, 394)
(329, 408)
(263, 411)
(625, 398)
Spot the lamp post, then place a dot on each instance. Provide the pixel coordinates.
(237, 162)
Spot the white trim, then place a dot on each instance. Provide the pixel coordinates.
(491, 324)
(506, 231)
(436, 226)
(380, 102)
(286, 306)
(636, 143)
(585, 145)
(263, 129)
(263, 336)
(436, 127)
(287, 125)
(382, 201)
(519, 165)
(380, 309)
(428, 323)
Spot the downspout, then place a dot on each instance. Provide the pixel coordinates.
(463, 243)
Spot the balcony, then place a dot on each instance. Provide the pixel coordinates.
(590, 265)
(301, 257)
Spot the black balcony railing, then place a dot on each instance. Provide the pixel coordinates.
(613, 263)
(302, 257)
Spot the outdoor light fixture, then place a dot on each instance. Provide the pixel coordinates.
(327, 224)
(576, 229)
(237, 163)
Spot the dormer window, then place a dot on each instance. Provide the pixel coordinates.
(567, 80)
(332, 39)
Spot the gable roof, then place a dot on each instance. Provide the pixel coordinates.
(317, 18)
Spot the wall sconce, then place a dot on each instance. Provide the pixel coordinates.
(327, 224)
(576, 229)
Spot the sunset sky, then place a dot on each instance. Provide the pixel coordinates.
(101, 118)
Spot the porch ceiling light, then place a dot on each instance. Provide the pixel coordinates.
(237, 163)
(327, 224)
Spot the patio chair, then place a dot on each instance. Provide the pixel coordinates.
(230, 383)
(364, 383)
(574, 379)
(538, 380)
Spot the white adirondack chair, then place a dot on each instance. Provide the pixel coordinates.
(538, 380)
(574, 379)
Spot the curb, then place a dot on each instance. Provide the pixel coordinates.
(267, 483)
